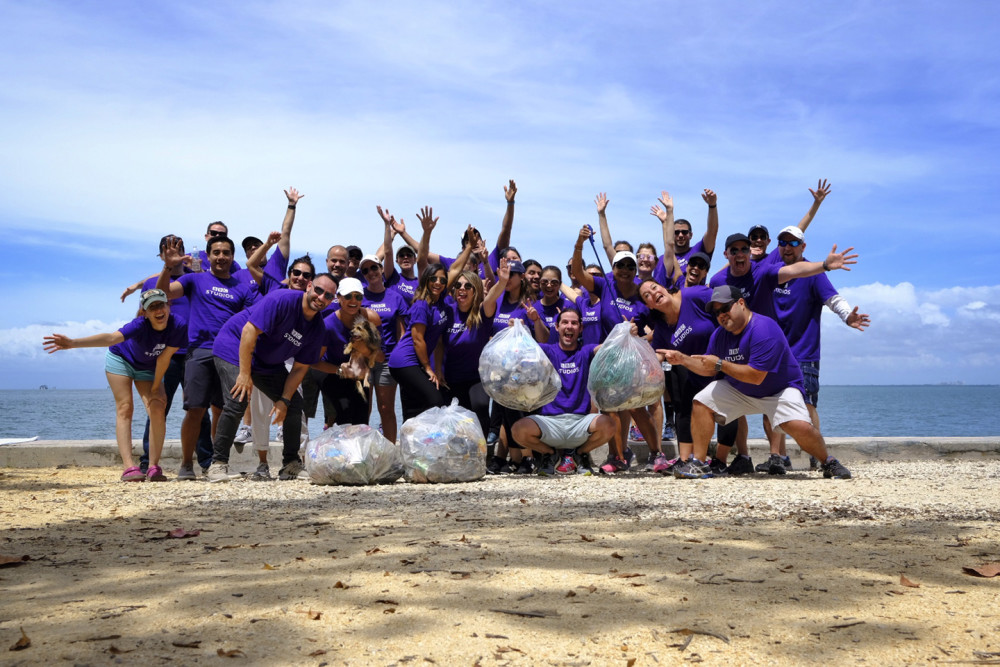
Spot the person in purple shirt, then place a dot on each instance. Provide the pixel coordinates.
(470, 324)
(402, 281)
(214, 297)
(566, 428)
(552, 302)
(589, 305)
(759, 375)
(138, 352)
(681, 241)
(760, 238)
(217, 229)
(798, 304)
(391, 309)
(250, 351)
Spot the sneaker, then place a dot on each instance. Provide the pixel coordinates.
(635, 435)
(186, 473)
(492, 439)
(629, 456)
(218, 472)
(547, 466)
(660, 463)
(262, 474)
(668, 431)
(833, 468)
(585, 465)
(787, 462)
(525, 467)
(243, 436)
(614, 464)
(290, 470)
(497, 465)
(133, 474)
(692, 469)
(741, 465)
(155, 474)
(567, 466)
(280, 437)
(813, 463)
(718, 467)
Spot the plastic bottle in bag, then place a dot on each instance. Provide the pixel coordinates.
(625, 373)
(443, 445)
(515, 372)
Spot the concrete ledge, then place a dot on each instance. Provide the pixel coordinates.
(52, 453)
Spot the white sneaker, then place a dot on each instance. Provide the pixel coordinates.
(218, 472)
(281, 435)
(243, 435)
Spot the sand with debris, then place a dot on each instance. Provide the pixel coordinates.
(575, 570)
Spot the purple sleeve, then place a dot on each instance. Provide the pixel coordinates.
(446, 261)
(132, 328)
(277, 265)
(494, 260)
(420, 313)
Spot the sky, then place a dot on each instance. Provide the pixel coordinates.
(123, 121)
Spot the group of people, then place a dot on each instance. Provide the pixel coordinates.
(265, 343)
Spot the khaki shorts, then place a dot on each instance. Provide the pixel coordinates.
(729, 404)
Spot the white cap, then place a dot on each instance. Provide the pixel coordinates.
(349, 286)
(623, 254)
(369, 258)
(794, 231)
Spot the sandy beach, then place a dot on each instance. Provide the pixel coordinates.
(576, 570)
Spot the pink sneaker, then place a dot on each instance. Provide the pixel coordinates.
(568, 465)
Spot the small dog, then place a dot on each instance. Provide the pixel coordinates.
(366, 343)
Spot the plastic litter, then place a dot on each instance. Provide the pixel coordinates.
(625, 373)
(353, 454)
(515, 372)
(443, 445)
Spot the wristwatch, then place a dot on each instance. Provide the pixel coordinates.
(284, 400)
(718, 366)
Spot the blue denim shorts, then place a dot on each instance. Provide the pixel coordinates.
(810, 378)
(117, 365)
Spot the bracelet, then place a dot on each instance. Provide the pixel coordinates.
(510, 201)
(291, 207)
(711, 205)
(825, 267)
(284, 400)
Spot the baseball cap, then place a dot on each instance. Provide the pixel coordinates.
(794, 231)
(349, 286)
(723, 294)
(622, 255)
(151, 296)
(736, 238)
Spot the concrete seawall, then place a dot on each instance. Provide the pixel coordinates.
(51, 453)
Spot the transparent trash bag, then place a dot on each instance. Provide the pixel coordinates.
(353, 454)
(515, 372)
(625, 373)
(443, 445)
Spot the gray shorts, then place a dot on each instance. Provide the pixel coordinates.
(380, 376)
(567, 431)
(730, 404)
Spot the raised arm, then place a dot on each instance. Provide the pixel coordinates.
(135, 287)
(256, 261)
(388, 260)
(428, 222)
(666, 217)
(57, 342)
(463, 257)
(503, 238)
(819, 194)
(586, 280)
(712, 225)
(490, 300)
(285, 243)
(400, 228)
(835, 260)
(602, 222)
(171, 257)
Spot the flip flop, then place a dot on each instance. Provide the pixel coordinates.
(133, 474)
(155, 474)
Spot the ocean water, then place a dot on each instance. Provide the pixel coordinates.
(901, 410)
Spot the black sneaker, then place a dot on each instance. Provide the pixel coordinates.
(585, 465)
(497, 465)
(718, 467)
(525, 467)
(741, 465)
(775, 465)
(547, 466)
(834, 469)
(692, 469)
(788, 463)
(813, 463)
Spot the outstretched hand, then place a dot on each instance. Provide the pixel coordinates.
(427, 219)
(602, 202)
(57, 342)
(710, 197)
(503, 271)
(385, 215)
(840, 260)
(172, 255)
(293, 196)
(859, 321)
(509, 191)
(821, 191)
(666, 200)
(273, 238)
(586, 232)
(658, 212)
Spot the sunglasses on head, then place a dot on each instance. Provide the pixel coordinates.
(742, 250)
(722, 309)
(463, 285)
(758, 237)
(437, 279)
(681, 232)
(295, 273)
(794, 244)
(371, 268)
(353, 296)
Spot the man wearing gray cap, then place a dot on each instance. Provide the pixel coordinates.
(759, 374)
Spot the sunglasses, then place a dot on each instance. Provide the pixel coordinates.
(553, 282)
(465, 286)
(371, 268)
(723, 310)
(758, 237)
(295, 273)
(353, 296)
(322, 293)
(216, 232)
(628, 266)
(794, 244)
(648, 258)
(742, 250)
(438, 280)
(698, 266)
(405, 255)
(681, 232)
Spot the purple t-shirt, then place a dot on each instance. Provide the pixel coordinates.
(213, 302)
(550, 313)
(660, 272)
(799, 306)
(614, 306)
(391, 307)
(493, 259)
(277, 265)
(694, 327)
(406, 287)
(284, 333)
(206, 264)
(338, 335)
(507, 310)
(179, 306)
(434, 317)
(574, 369)
(763, 347)
(463, 346)
(591, 319)
(143, 344)
(756, 285)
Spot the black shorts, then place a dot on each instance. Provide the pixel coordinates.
(201, 381)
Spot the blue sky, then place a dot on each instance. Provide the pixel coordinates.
(122, 122)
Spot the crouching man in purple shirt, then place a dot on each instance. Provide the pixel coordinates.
(759, 376)
(566, 426)
(250, 351)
